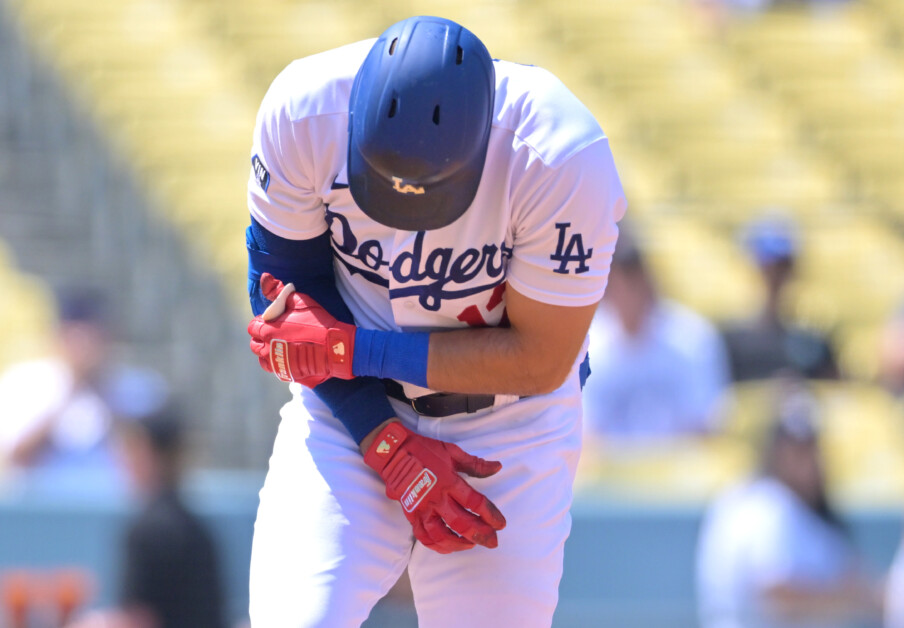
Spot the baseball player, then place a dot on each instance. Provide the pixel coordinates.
(431, 231)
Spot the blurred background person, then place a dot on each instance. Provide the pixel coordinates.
(773, 552)
(726, 9)
(59, 411)
(891, 354)
(170, 573)
(657, 368)
(770, 344)
(894, 591)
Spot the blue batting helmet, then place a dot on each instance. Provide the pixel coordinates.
(419, 124)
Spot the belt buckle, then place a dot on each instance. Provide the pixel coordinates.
(422, 405)
(414, 406)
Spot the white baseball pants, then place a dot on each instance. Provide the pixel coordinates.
(328, 543)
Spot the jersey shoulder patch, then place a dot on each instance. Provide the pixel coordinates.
(261, 175)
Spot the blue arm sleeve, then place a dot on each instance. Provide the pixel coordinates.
(361, 403)
(306, 263)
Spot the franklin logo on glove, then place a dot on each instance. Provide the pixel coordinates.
(299, 341)
(278, 350)
(418, 490)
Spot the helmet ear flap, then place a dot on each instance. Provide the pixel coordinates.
(420, 114)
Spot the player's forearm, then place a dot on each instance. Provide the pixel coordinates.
(496, 361)
(478, 361)
(533, 355)
(300, 341)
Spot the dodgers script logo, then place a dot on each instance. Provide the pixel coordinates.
(432, 275)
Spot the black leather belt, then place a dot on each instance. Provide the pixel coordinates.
(439, 404)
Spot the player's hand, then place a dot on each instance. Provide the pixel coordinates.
(446, 513)
(299, 341)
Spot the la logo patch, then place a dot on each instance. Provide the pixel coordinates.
(572, 252)
(407, 188)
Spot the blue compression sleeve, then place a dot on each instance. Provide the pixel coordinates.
(306, 263)
(401, 356)
(361, 403)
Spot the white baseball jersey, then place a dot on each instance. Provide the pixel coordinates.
(543, 221)
(894, 597)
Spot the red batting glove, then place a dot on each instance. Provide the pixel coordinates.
(446, 513)
(299, 341)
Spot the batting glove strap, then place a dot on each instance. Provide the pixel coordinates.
(385, 445)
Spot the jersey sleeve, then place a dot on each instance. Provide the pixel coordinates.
(565, 227)
(281, 195)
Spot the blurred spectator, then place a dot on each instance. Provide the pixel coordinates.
(58, 412)
(894, 595)
(891, 355)
(723, 9)
(170, 569)
(773, 553)
(657, 368)
(746, 6)
(768, 344)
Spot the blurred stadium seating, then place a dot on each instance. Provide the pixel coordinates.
(793, 108)
(26, 321)
(81, 98)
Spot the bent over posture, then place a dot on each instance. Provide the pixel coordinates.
(431, 231)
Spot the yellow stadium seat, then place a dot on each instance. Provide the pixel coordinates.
(786, 180)
(700, 266)
(674, 470)
(847, 272)
(858, 350)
